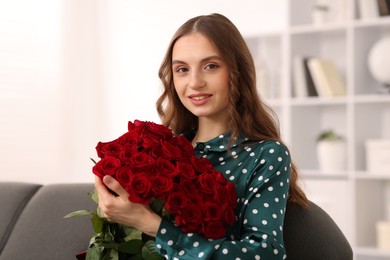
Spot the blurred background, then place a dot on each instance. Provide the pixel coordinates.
(74, 72)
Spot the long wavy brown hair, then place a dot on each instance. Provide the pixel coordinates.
(249, 115)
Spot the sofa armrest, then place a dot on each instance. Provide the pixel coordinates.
(13, 198)
(42, 232)
(310, 233)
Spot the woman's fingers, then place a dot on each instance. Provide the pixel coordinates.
(115, 186)
(99, 186)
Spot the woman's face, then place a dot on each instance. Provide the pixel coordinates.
(201, 77)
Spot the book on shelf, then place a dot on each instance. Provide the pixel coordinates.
(384, 7)
(327, 79)
(303, 85)
(368, 9)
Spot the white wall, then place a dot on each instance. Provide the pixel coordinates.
(74, 72)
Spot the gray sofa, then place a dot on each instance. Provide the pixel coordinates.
(32, 226)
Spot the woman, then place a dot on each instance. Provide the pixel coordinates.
(210, 96)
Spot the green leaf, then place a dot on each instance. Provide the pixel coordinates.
(111, 254)
(93, 160)
(149, 251)
(97, 223)
(100, 213)
(137, 257)
(94, 196)
(130, 247)
(94, 253)
(156, 205)
(79, 213)
(131, 233)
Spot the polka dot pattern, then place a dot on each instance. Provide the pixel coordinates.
(260, 172)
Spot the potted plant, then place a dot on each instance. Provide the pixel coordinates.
(319, 14)
(331, 151)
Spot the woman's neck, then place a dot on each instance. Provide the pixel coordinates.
(207, 130)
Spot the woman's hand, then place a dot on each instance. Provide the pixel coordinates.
(120, 210)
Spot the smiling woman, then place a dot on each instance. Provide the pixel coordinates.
(210, 98)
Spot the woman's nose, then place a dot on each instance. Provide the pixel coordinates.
(197, 80)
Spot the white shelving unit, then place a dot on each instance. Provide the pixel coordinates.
(355, 198)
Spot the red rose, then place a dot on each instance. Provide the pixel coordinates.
(212, 211)
(162, 132)
(231, 194)
(137, 126)
(190, 218)
(207, 183)
(170, 151)
(220, 193)
(128, 151)
(106, 166)
(100, 149)
(228, 216)
(149, 142)
(196, 198)
(123, 175)
(220, 178)
(155, 153)
(139, 188)
(130, 126)
(186, 170)
(176, 201)
(129, 138)
(112, 148)
(214, 229)
(141, 162)
(165, 167)
(161, 186)
(186, 149)
(190, 187)
(202, 165)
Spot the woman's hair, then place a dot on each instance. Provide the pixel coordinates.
(248, 114)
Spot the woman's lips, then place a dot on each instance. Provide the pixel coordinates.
(199, 99)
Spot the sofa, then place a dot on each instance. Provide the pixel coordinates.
(33, 227)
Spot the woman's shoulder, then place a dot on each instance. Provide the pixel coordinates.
(271, 149)
(270, 144)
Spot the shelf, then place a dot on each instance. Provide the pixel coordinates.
(373, 98)
(358, 99)
(356, 199)
(317, 29)
(372, 252)
(375, 22)
(315, 101)
(320, 175)
(363, 175)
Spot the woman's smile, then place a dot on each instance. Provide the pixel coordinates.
(199, 99)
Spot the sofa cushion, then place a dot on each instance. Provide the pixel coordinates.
(42, 232)
(13, 199)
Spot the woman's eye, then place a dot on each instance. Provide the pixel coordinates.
(211, 66)
(181, 69)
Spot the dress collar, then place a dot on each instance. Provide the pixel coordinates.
(217, 144)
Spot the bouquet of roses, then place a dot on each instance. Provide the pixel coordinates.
(160, 170)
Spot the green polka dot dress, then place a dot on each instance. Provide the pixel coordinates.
(261, 173)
